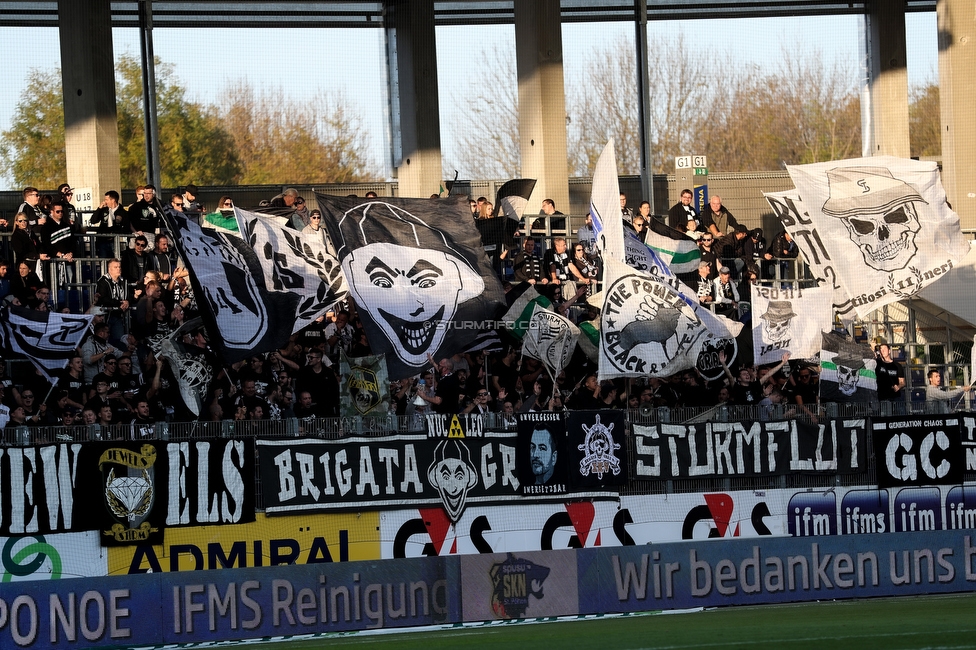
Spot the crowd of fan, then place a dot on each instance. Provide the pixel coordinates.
(119, 377)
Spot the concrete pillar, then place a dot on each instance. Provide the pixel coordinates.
(957, 96)
(542, 101)
(412, 60)
(888, 84)
(91, 132)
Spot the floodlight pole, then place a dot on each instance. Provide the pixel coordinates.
(153, 175)
(644, 103)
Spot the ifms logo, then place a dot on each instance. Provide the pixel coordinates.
(714, 518)
(570, 528)
(812, 514)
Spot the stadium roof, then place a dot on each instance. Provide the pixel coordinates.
(362, 13)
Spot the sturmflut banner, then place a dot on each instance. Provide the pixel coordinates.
(748, 449)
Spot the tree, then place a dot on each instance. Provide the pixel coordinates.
(250, 139)
(799, 113)
(487, 136)
(194, 147)
(314, 140)
(925, 121)
(32, 150)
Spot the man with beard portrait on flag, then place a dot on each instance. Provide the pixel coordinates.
(418, 273)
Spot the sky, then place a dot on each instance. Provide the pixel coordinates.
(298, 63)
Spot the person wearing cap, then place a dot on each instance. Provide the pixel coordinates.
(286, 199)
(191, 205)
(59, 243)
(63, 198)
(736, 249)
(725, 294)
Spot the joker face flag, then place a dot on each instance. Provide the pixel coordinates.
(417, 271)
(777, 324)
(885, 222)
(647, 328)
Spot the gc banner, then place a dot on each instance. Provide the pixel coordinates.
(748, 449)
(918, 451)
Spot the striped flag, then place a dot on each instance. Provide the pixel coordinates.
(48, 339)
(520, 312)
(513, 196)
(679, 251)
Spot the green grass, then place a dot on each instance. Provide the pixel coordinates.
(889, 623)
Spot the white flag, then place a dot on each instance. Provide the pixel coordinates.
(778, 327)
(608, 225)
(48, 339)
(791, 212)
(647, 328)
(885, 223)
(551, 338)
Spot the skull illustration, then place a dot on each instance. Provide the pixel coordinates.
(776, 321)
(879, 213)
(887, 241)
(847, 379)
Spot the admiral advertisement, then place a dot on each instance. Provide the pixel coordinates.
(918, 450)
(128, 491)
(714, 449)
(456, 464)
(268, 541)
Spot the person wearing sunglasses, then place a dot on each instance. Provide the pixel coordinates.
(315, 229)
(25, 243)
(31, 207)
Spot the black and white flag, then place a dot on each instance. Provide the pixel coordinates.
(647, 328)
(789, 320)
(48, 339)
(847, 370)
(244, 316)
(418, 273)
(191, 367)
(294, 263)
(512, 197)
(885, 222)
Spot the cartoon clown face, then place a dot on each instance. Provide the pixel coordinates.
(410, 293)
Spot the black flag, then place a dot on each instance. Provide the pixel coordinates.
(512, 197)
(48, 339)
(418, 273)
(242, 316)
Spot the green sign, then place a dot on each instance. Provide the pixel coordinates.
(701, 171)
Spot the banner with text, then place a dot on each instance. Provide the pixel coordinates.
(923, 450)
(716, 449)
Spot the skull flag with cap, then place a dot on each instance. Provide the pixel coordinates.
(417, 272)
(777, 324)
(847, 370)
(886, 223)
